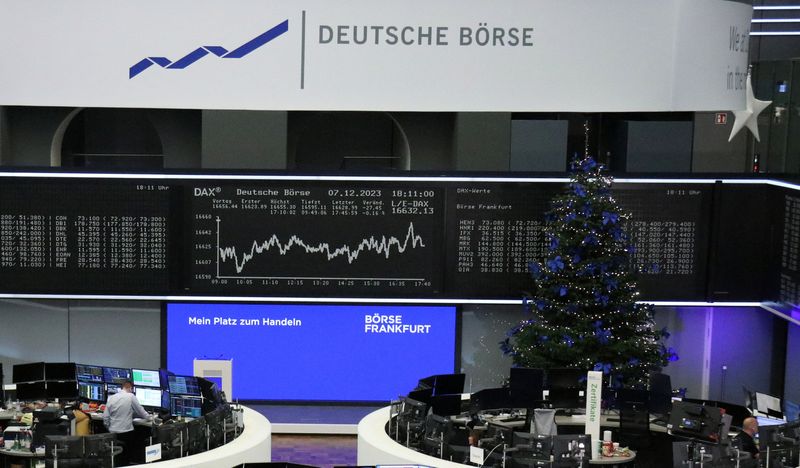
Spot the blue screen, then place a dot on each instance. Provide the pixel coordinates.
(315, 352)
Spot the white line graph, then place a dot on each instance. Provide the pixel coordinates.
(384, 246)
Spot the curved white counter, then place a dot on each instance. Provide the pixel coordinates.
(375, 447)
(254, 445)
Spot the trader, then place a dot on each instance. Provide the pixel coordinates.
(746, 437)
(121, 408)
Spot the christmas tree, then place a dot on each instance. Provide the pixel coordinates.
(583, 310)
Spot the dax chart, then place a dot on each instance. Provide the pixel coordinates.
(313, 237)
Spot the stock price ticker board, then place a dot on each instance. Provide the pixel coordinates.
(495, 229)
(83, 236)
(317, 238)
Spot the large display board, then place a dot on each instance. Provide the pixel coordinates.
(315, 352)
(284, 236)
(495, 229)
(84, 236)
(302, 238)
(789, 285)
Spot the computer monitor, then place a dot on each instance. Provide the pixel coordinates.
(566, 378)
(791, 410)
(196, 429)
(738, 413)
(210, 391)
(186, 406)
(768, 405)
(32, 372)
(146, 378)
(63, 390)
(423, 395)
(183, 385)
(99, 445)
(116, 375)
(769, 435)
(443, 384)
(500, 434)
(63, 447)
(112, 389)
(446, 405)
(541, 445)
(660, 393)
(490, 398)
(573, 447)
(448, 384)
(91, 391)
(215, 421)
(629, 398)
(31, 391)
(60, 371)
(526, 387)
(173, 437)
(149, 397)
(89, 373)
(695, 421)
(565, 388)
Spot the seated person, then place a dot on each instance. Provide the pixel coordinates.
(83, 424)
(745, 439)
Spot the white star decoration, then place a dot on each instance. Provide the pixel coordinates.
(748, 117)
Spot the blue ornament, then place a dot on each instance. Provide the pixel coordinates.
(600, 298)
(602, 336)
(579, 190)
(672, 356)
(563, 291)
(603, 366)
(610, 218)
(633, 362)
(568, 341)
(611, 283)
(535, 269)
(553, 242)
(586, 211)
(555, 264)
(590, 239)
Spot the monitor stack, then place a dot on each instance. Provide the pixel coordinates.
(148, 387)
(91, 385)
(46, 381)
(186, 400)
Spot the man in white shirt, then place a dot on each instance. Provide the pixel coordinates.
(121, 408)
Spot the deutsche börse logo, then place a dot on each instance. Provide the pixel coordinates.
(202, 51)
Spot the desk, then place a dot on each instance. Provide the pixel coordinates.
(613, 460)
(606, 420)
(254, 445)
(29, 457)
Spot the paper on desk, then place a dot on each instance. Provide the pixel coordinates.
(475, 455)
